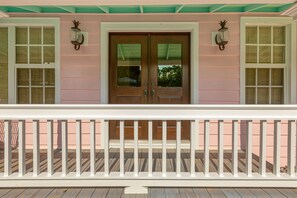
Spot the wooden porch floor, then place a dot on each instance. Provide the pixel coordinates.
(129, 161)
(153, 193)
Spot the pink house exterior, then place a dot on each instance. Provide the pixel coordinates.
(221, 115)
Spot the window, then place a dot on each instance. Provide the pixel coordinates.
(266, 62)
(29, 61)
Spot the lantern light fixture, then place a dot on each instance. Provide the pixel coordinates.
(76, 36)
(222, 36)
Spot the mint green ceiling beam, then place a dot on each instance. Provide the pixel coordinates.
(178, 8)
(105, 9)
(67, 9)
(30, 8)
(217, 7)
(251, 8)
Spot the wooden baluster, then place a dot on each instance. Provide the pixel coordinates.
(106, 147)
(234, 147)
(36, 148)
(22, 147)
(221, 147)
(178, 145)
(276, 146)
(92, 147)
(122, 147)
(50, 153)
(206, 147)
(136, 148)
(7, 148)
(164, 152)
(64, 131)
(249, 147)
(263, 129)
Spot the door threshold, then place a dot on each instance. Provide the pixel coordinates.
(170, 144)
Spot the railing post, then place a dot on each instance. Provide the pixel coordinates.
(276, 146)
(22, 147)
(78, 148)
(263, 128)
(122, 147)
(234, 147)
(7, 148)
(64, 147)
(178, 145)
(150, 148)
(221, 147)
(50, 153)
(164, 140)
(92, 146)
(248, 152)
(291, 147)
(106, 147)
(194, 137)
(36, 148)
(206, 148)
(135, 148)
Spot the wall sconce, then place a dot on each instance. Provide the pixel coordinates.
(222, 36)
(76, 36)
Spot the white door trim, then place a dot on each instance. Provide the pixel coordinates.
(192, 27)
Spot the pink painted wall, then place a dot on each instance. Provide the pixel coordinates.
(219, 71)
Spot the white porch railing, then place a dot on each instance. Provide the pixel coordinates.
(137, 180)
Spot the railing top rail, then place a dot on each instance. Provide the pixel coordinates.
(148, 112)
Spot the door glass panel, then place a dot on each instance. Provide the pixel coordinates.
(3, 65)
(129, 65)
(169, 65)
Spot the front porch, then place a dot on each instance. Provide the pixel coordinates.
(255, 147)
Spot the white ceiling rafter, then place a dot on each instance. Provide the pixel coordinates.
(141, 9)
(178, 8)
(134, 2)
(251, 8)
(67, 9)
(104, 9)
(3, 15)
(216, 8)
(30, 8)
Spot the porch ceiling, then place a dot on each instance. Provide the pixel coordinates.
(141, 6)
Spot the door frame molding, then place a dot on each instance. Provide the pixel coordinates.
(191, 27)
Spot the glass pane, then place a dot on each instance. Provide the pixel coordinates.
(35, 55)
(21, 34)
(277, 96)
(23, 95)
(250, 95)
(22, 77)
(129, 65)
(49, 77)
(37, 96)
(37, 77)
(264, 54)
(277, 77)
(251, 54)
(3, 65)
(49, 54)
(48, 36)
(169, 65)
(263, 76)
(250, 76)
(263, 96)
(279, 55)
(49, 95)
(35, 35)
(22, 54)
(279, 35)
(265, 35)
(251, 35)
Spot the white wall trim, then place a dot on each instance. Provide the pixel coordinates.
(11, 23)
(107, 27)
(290, 82)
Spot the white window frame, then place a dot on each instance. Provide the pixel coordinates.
(12, 23)
(290, 70)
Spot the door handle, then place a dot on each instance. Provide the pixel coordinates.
(145, 92)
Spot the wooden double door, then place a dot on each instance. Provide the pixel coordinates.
(149, 68)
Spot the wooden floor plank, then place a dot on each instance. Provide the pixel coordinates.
(100, 192)
(288, 192)
(244, 192)
(86, 192)
(230, 192)
(42, 192)
(14, 193)
(4, 191)
(71, 192)
(258, 192)
(274, 192)
(57, 193)
(29, 192)
(172, 192)
(115, 193)
(186, 193)
(201, 193)
(216, 193)
(157, 192)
